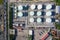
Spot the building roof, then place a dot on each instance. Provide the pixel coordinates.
(20, 7)
(57, 9)
(45, 36)
(30, 32)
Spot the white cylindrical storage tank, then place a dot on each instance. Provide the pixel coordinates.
(30, 32)
(31, 13)
(39, 13)
(48, 6)
(39, 20)
(48, 13)
(32, 6)
(31, 19)
(21, 25)
(20, 14)
(15, 10)
(15, 14)
(48, 20)
(20, 7)
(39, 6)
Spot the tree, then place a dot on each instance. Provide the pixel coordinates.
(57, 2)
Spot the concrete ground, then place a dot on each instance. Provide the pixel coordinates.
(2, 36)
(22, 35)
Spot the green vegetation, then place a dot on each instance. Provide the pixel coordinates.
(1, 1)
(55, 39)
(29, 37)
(57, 26)
(11, 18)
(7, 19)
(57, 2)
(6, 16)
(11, 37)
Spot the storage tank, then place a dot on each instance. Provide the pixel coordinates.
(20, 14)
(39, 6)
(48, 6)
(20, 7)
(31, 19)
(15, 10)
(48, 13)
(31, 13)
(48, 20)
(32, 6)
(15, 14)
(16, 24)
(39, 13)
(39, 20)
(15, 7)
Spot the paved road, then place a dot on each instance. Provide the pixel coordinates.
(2, 36)
(5, 19)
(2, 33)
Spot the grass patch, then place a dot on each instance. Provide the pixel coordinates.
(29, 37)
(57, 26)
(11, 37)
(11, 18)
(57, 2)
(1, 1)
